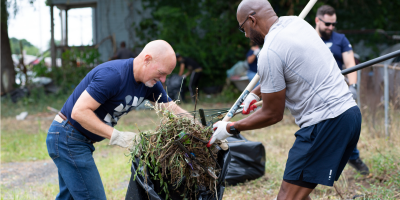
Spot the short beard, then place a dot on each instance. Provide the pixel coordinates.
(256, 37)
(148, 84)
(325, 35)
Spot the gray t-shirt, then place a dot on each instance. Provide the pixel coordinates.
(294, 57)
(124, 53)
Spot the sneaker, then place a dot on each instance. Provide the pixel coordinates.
(359, 165)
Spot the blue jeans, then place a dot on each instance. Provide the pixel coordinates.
(355, 154)
(72, 153)
(250, 75)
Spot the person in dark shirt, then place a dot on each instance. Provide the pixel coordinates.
(108, 92)
(251, 58)
(123, 53)
(343, 53)
(193, 69)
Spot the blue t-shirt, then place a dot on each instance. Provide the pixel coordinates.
(113, 85)
(253, 65)
(338, 43)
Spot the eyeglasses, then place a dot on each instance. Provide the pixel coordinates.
(240, 27)
(328, 23)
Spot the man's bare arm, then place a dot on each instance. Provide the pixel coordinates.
(348, 59)
(251, 59)
(270, 113)
(174, 108)
(257, 91)
(83, 113)
(181, 69)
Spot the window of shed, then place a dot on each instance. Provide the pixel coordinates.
(80, 26)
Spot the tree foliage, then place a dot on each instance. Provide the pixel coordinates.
(203, 30)
(207, 30)
(26, 45)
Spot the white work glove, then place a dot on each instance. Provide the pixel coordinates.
(124, 139)
(248, 103)
(256, 51)
(353, 90)
(220, 134)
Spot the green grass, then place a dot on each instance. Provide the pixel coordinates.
(20, 146)
(36, 102)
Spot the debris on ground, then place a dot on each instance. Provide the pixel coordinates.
(22, 116)
(176, 154)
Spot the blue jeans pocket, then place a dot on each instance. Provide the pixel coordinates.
(52, 144)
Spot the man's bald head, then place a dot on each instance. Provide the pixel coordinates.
(260, 17)
(154, 63)
(161, 51)
(261, 7)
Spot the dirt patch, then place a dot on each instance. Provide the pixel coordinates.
(25, 174)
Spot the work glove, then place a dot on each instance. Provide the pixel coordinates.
(220, 134)
(256, 51)
(248, 103)
(353, 90)
(124, 139)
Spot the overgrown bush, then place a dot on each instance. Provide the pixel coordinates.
(76, 64)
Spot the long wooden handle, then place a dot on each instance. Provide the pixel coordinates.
(307, 9)
(256, 78)
(240, 100)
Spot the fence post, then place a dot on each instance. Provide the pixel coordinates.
(358, 88)
(386, 97)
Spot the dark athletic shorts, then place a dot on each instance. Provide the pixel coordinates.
(321, 151)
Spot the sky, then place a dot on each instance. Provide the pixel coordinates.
(32, 22)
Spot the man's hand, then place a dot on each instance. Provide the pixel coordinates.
(248, 103)
(124, 139)
(220, 132)
(256, 51)
(353, 90)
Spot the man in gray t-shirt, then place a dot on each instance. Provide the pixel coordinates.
(291, 58)
(297, 70)
(123, 53)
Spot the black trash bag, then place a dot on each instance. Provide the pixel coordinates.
(173, 83)
(247, 162)
(18, 94)
(140, 189)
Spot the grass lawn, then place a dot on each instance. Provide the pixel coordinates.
(25, 142)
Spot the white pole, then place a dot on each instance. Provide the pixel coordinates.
(256, 78)
(307, 9)
(386, 96)
(358, 88)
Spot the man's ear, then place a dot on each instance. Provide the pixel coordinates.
(147, 59)
(316, 20)
(253, 21)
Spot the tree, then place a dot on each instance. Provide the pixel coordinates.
(28, 47)
(7, 65)
(203, 30)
